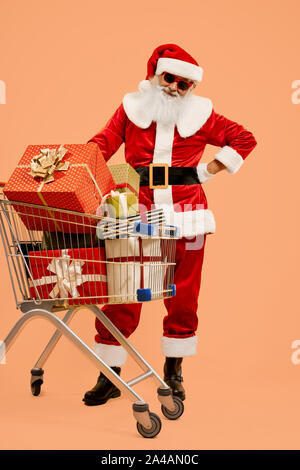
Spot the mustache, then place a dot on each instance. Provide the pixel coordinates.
(166, 90)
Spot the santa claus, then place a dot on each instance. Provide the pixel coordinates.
(165, 129)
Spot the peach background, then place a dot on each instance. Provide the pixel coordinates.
(67, 65)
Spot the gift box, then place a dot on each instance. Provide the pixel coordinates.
(75, 275)
(126, 178)
(74, 177)
(119, 205)
(135, 263)
(108, 228)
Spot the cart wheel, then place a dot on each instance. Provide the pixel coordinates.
(155, 429)
(179, 409)
(36, 387)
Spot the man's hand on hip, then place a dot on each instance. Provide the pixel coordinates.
(207, 170)
(215, 166)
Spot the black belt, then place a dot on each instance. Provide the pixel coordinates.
(159, 176)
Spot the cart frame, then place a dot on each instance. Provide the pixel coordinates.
(148, 424)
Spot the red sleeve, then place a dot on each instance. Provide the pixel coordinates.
(112, 135)
(235, 140)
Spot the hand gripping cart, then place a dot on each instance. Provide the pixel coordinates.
(65, 261)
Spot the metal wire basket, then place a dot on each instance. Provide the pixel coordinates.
(91, 260)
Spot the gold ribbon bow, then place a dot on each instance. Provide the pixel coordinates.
(48, 161)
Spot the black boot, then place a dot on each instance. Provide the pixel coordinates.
(103, 390)
(173, 377)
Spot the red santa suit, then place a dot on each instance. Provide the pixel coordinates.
(180, 144)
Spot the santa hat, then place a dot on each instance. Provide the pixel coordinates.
(173, 59)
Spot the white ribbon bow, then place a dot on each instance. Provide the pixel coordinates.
(69, 276)
(122, 198)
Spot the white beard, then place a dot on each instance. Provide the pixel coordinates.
(166, 108)
(189, 112)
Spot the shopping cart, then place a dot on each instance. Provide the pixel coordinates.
(65, 261)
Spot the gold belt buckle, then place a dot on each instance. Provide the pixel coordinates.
(156, 165)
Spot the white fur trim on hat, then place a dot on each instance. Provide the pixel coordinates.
(230, 158)
(179, 67)
(179, 347)
(112, 355)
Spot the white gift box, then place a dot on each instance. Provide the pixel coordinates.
(134, 263)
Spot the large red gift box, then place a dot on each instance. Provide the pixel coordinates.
(77, 275)
(78, 187)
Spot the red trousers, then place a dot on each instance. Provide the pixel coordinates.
(181, 320)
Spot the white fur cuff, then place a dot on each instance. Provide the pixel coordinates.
(179, 347)
(230, 158)
(203, 173)
(112, 355)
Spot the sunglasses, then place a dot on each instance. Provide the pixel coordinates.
(181, 84)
